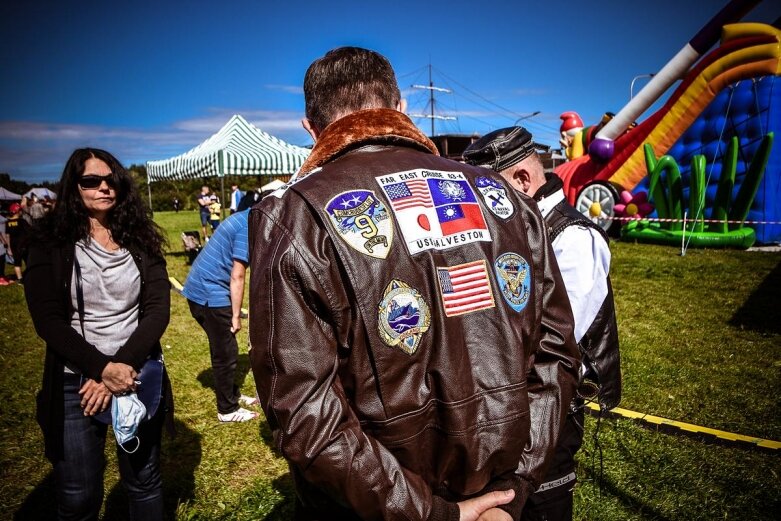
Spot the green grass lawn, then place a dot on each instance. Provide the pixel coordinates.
(701, 343)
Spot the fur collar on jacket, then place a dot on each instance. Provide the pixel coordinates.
(361, 128)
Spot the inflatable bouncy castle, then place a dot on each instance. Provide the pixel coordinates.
(731, 92)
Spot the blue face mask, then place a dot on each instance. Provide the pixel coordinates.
(127, 411)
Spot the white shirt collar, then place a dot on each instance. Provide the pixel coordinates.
(546, 204)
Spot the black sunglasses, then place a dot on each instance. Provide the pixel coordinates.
(90, 182)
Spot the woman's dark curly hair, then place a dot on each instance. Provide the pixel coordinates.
(129, 221)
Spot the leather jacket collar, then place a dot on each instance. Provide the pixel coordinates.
(365, 127)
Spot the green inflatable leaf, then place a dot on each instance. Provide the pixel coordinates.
(750, 185)
(724, 190)
(697, 193)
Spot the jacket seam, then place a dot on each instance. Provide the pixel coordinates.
(432, 402)
(477, 426)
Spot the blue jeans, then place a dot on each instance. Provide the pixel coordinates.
(79, 475)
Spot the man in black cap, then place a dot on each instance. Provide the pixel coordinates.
(581, 249)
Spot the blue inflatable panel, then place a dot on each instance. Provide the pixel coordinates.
(748, 109)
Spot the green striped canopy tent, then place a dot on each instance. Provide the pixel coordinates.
(238, 148)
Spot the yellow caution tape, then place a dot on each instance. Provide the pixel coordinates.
(175, 284)
(688, 427)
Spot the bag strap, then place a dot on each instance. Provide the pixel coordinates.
(79, 294)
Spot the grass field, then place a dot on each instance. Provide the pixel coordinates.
(700, 342)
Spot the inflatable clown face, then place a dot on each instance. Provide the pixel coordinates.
(571, 126)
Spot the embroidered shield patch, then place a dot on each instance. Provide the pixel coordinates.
(403, 317)
(513, 274)
(434, 210)
(465, 288)
(362, 221)
(495, 197)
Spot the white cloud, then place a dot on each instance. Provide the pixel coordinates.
(36, 151)
(290, 89)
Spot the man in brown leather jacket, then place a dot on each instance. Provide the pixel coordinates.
(412, 343)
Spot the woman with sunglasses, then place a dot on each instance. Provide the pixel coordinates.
(100, 240)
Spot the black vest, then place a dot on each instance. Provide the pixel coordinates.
(599, 345)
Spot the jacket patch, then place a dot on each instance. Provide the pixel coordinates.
(514, 277)
(403, 316)
(495, 197)
(362, 221)
(435, 210)
(465, 288)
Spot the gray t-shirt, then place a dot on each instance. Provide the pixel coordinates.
(111, 286)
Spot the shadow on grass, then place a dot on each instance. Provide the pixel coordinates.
(762, 310)
(40, 503)
(206, 377)
(632, 503)
(284, 510)
(179, 459)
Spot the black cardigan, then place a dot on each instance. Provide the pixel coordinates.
(47, 288)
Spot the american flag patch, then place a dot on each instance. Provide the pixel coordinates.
(409, 194)
(465, 288)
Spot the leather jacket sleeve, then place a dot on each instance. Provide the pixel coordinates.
(553, 368)
(300, 316)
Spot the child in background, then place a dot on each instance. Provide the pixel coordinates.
(215, 211)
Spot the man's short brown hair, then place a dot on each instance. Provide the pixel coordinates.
(345, 80)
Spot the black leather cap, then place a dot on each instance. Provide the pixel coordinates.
(500, 149)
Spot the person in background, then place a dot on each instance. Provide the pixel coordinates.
(215, 213)
(18, 232)
(214, 290)
(3, 246)
(176, 204)
(99, 252)
(250, 198)
(205, 200)
(36, 209)
(25, 209)
(412, 348)
(236, 196)
(48, 204)
(583, 254)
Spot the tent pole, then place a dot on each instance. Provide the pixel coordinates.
(222, 189)
(149, 191)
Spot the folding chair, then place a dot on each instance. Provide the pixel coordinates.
(192, 245)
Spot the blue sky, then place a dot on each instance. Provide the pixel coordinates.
(151, 79)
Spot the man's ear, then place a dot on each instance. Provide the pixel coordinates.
(519, 179)
(310, 128)
(401, 106)
(524, 180)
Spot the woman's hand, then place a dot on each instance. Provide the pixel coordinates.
(119, 378)
(95, 397)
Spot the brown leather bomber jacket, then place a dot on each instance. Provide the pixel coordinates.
(412, 340)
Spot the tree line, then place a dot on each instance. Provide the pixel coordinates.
(164, 192)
